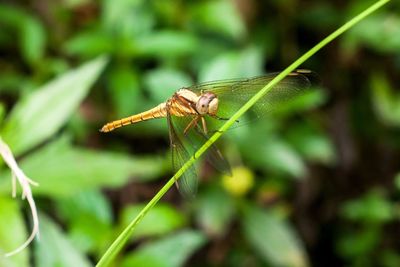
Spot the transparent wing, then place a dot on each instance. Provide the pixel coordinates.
(232, 94)
(184, 145)
(213, 154)
(187, 183)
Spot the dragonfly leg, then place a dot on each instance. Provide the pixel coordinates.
(191, 124)
(221, 119)
(203, 122)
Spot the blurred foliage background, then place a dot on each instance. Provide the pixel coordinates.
(318, 185)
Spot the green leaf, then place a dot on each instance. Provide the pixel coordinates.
(170, 44)
(312, 143)
(10, 16)
(272, 153)
(220, 17)
(161, 220)
(63, 170)
(307, 101)
(12, 233)
(33, 39)
(360, 243)
(91, 202)
(273, 238)
(380, 32)
(284, 158)
(89, 44)
(214, 218)
(373, 207)
(325, 13)
(54, 249)
(2, 112)
(386, 101)
(397, 182)
(42, 113)
(390, 258)
(24, 29)
(233, 65)
(84, 210)
(125, 90)
(162, 83)
(171, 251)
(127, 18)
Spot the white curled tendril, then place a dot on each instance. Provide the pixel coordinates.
(25, 182)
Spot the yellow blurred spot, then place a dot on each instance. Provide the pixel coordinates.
(241, 181)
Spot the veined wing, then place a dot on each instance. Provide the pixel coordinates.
(232, 94)
(184, 145)
(187, 183)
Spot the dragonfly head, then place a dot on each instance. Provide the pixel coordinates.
(207, 104)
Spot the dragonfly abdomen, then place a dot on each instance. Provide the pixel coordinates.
(154, 113)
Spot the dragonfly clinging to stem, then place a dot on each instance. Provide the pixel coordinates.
(191, 109)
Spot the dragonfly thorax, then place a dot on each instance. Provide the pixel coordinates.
(204, 104)
(207, 104)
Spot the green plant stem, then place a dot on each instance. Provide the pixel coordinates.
(118, 244)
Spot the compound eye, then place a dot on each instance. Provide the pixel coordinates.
(202, 105)
(213, 107)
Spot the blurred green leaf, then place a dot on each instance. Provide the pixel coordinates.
(163, 83)
(273, 238)
(397, 181)
(380, 32)
(2, 113)
(91, 202)
(10, 16)
(170, 217)
(9, 81)
(220, 17)
(390, 258)
(170, 251)
(29, 32)
(246, 63)
(262, 148)
(325, 13)
(312, 143)
(127, 19)
(63, 170)
(309, 100)
(33, 40)
(89, 44)
(359, 244)
(81, 212)
(42, 113)
(275, 154)
(386, 101)
(12, 233)
(214, 210)
(168, 11)
(125, 90)
(54, 249)
(373, 207)
(169, 44)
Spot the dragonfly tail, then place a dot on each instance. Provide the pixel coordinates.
(154, 113)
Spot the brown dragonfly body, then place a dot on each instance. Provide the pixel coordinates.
(183, 103)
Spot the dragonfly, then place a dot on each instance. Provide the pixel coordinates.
(192, 110)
